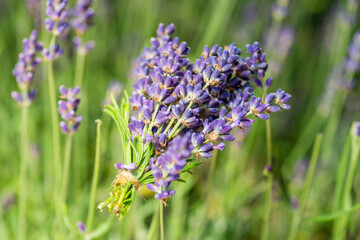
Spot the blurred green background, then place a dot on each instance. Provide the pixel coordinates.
(305, 41)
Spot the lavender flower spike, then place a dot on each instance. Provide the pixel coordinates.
(83, 18)
(25, 68)
(56, 11)
(67, 109)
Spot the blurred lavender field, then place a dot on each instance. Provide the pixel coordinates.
(306, 187)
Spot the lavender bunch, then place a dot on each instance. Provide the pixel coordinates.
(67, 109)
(185, 111)
(25, 68)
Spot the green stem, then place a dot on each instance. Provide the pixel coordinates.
(162, 232)
(341, 174)
(153, 225)
(298, 214)
(23, 166)
(267, 213)
(79, 70)
(340, 225)
(55, 135)
(65, 177)
(55, 122)
(211, 173)
(95, 178)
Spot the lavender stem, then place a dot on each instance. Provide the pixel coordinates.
(162, 232)
(95, 177)
(67, 159)
(23, 166)
(79, 70)
(267, 213)
(55, 130)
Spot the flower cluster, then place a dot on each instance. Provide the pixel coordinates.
(52, 53)
(83, 17)
(190, 108)
(25, 68)
(67, 109)
(56, 10)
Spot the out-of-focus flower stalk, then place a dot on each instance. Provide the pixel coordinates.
(83, 17)
(333, 98)
(299, 212)
(23, 169)
(55, 23)
(24, 72)
(340, 227)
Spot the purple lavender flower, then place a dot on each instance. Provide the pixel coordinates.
(352, 63)
(169, 165)
(25, 68)
(357, 129)
(52, 53)
(81, 226)
(281, 98)
(121, 166)
(67, 109)
(83, 16)
(56, 11)
(83, 48)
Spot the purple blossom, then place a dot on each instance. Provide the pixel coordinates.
(81, 226)
(121, 166)
(281, 98)
(52, 53)
(83, 48)
(56, 11)
(67, 109)
(25, 68)
(352, 63)
(83, 16)
(357, 129)
(169, 165)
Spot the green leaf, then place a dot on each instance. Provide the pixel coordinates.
(190, 166)
(333, 216)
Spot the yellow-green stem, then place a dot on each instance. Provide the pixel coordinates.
(95, 178)
(153, 225)
(162, 231)
(342, 222)
(79, 70)
(67, 160)
(23, 166)
(268, 201)
(298, 213)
